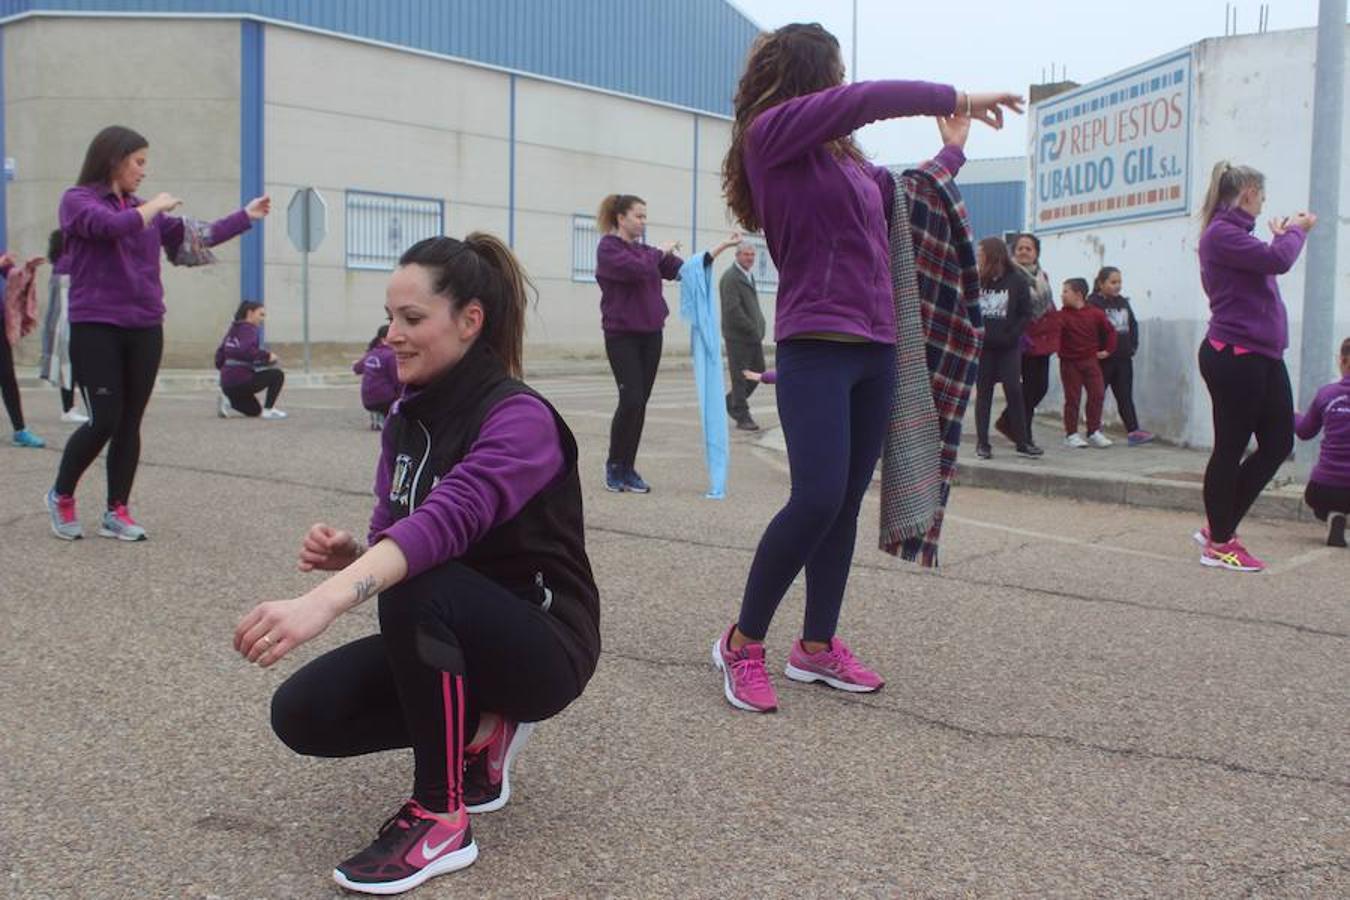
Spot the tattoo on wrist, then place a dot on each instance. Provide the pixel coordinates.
(364, 589)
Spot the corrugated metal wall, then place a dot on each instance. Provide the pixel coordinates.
(689, 52)
(995, 207)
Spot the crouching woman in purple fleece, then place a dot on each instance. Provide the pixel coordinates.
(247, 368)
(113, 241)
(794, 170)
(489, 614)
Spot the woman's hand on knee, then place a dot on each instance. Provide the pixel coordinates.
(328, 548)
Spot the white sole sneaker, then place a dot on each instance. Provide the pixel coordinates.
(1219, 564)
(121, 535)
(523, 732)
(806, 677)
(721, 666)
(51, 520)
(450, 862)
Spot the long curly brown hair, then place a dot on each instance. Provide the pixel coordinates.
(795, 60)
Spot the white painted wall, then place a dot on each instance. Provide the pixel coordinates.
(340, 114)
(1253, 106)
(184, 98)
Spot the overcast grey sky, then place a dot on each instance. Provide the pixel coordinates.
(983, 45)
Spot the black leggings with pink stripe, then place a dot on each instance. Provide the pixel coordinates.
(452, 644)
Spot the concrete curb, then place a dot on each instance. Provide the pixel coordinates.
(1125, 490)
(1098, 486)
(183, 380)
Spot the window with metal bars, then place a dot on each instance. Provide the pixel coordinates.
(381, 226)
(766, 273)
(585, 240)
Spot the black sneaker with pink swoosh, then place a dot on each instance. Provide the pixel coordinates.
(413, 845)
(487, 772)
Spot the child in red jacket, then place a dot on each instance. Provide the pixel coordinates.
(1086, 336)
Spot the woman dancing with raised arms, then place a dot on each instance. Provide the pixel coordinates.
(794, 170)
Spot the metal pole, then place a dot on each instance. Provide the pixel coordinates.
(1317, 351)
(304, 288)
(304, 277)
(853, 69)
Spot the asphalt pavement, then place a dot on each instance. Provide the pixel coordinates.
(1074, 706)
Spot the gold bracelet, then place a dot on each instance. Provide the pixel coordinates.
(968, 110)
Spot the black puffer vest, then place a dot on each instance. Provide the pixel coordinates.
(540, 553)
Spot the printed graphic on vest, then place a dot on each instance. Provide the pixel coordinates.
(1120, 319)
(994, 304)
(401, 482)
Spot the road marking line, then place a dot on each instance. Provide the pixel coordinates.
(1302, 559)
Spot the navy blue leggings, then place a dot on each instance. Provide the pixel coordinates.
(833, 403)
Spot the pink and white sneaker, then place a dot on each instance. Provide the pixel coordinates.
(745, 681)
(487, 767)
(836, 666)
(413, 845)
(1232, 556)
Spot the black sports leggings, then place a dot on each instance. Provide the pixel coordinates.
(1251, 396)
(1000, 365)
(1035, 384)
(9, 385)
(115, 368)
(634, 359)
(242, 396)
(1118, 374)
(452, 644)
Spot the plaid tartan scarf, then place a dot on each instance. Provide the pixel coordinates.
(938, 341)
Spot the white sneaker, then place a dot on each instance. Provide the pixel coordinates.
(273, 413)
(75, 416)
(225, 409)
(1099, 440)
(1075, 441)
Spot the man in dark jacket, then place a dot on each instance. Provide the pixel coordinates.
(743, 330)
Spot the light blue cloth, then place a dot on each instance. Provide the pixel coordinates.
(703, 312)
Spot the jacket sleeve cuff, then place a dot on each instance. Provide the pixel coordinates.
(951, 158)
(416, 544)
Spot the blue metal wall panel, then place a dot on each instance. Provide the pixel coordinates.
(252, 79)
(689, 53)
(4, 193)
(995, 207)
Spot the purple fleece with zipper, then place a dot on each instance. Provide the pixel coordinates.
(379, 377)
(825, 216)
(518, 453)
(630, 276)
(1237, 270)
(114, 256)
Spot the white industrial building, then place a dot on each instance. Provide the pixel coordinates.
(402, 137)
(1128, 193)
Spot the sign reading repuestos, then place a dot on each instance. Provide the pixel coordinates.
(1115, 150)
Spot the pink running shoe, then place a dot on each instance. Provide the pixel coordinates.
(745, 681)
(413, 845)
(487, 768)
(836, 666)
(1232, 556)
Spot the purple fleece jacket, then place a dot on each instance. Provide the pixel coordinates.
(825, 217)
(518, 453)
(1238, 273)
(1330, 410)
(242, 344)
(630, 277)
(114, 257)
(379, 377)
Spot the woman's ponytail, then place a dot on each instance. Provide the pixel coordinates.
(507, 336)
(1226, 181)
(613, 206)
